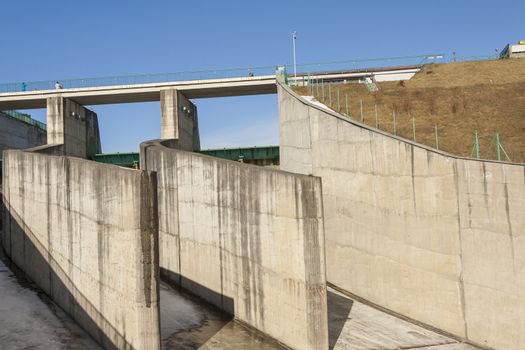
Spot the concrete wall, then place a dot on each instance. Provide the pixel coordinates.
(179, 120)
(15, 134)
(73, 126)
(86, 233)
(428, 235)
(247, 239)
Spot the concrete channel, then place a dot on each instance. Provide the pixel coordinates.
(34, 322)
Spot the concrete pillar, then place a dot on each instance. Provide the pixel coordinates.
(178, 120)
(73, 126)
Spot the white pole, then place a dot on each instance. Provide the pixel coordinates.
(294, 38)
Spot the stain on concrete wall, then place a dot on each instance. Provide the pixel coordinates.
(247, 239)
(86, 233)
(73, 126)
(179, 120)
(428, 235)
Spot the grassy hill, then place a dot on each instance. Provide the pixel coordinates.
(458, 98)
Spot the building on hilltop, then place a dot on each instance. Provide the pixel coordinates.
(514, 51)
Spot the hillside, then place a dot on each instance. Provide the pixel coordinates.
(458, 98)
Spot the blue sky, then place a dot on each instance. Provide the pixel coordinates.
(55, 39)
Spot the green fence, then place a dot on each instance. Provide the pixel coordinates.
(129, 159)
(245, 154)
(268, 153)
(329, 94)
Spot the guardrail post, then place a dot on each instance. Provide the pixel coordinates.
(414, 128)
(375, 109)
(361, 108)
(394, 118)
(338, 102)
(498, 146)
(476, 143)
(436, 132)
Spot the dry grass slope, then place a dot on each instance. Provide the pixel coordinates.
(457, 97)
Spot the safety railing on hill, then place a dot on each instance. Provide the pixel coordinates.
(26, 118)
(388, 118)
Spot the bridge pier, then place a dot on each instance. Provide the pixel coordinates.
(73, 126)
(178, 120)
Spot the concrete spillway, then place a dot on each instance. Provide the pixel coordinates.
(429, 235)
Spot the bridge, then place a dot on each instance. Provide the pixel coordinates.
(142, 92)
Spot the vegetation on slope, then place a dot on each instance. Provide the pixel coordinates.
(457, 98)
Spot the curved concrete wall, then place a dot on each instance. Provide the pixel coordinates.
(247, 239)
(86, 233)
(434, 237)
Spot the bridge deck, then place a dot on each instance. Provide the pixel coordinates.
(142, 92)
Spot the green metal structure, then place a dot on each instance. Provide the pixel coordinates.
(256, 155)
(270, 153)
(130, 159)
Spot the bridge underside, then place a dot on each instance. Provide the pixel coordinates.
(142, 93)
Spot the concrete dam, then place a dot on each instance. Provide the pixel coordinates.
(423, 248)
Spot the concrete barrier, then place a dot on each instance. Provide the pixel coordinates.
(16, 134)
(434, 237)
(247, 239)
(86, 233)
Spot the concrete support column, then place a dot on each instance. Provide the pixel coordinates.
(73, 126)
(178, 120)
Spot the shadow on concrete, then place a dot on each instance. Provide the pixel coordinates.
(339, 308)
(188, 321)
(45, 272)
(218, 311)
(221, 301)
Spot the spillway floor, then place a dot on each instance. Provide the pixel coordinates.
(29, 320)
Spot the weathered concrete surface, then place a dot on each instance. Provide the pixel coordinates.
(73, 126)
(179, 120)
(15, 134)
(187, 323)
(86, 233)
(247, 239)
(431, 236)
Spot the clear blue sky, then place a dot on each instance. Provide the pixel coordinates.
(56, 39)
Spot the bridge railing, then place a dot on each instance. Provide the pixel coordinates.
(315, 67)
(138, 79)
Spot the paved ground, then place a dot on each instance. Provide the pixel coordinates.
(31, 321)
(356, 326)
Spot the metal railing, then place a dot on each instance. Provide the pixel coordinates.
(138, 79)
(235, 72)
(380, 62)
